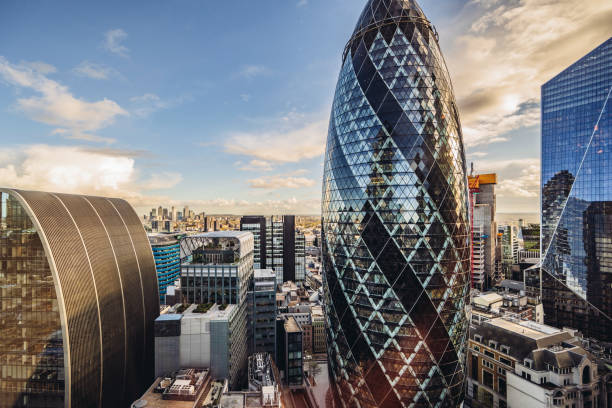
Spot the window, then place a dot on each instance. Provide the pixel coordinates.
(505, 361)
(501, 371)
(475, 367)
(487, 378)
(477, 348)
(489, 353)
(526, 376)
(543, 380)
(493, 344)
(528, 363)
(475, 392)
(504, 349)
(478, 338)
(501, 383)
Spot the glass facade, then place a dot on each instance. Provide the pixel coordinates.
(396, 239)
(78, 297)
(577, 196)
(31, 349)
(167, 255)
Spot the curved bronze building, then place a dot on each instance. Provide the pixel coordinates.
(396, 252)
(78, 298)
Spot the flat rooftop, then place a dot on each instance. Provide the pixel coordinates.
(162, 239)
(528, 329)
(214, 313)
(264, 273)
(154, 400)
(291, 325)
(223, 234)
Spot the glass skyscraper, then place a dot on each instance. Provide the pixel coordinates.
(78, 298)
(395, 234)
(577, 196)
(167, 254)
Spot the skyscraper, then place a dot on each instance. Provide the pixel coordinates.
(78, 298)
(484, 229)
(167, 254)
(278, 246)
(577, 196)
(396, 245)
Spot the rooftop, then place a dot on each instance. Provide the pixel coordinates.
(264, 273)
(162, 239)
(291, 325)
(532, 330)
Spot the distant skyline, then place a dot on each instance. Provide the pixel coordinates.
(224, 106)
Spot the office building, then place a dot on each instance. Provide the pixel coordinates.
(205, 336)
(577, 195)
(262, 312)
(256, 224)
(284, 250)
(484, 230)
(290, 352)
(395, 239)
(78, 298)
(515, 363)
(216, 267)
(167, 255)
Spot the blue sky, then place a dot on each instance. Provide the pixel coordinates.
(224, 105)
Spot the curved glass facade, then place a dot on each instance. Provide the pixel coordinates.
(31, 349)
(78, 298)
(577, 195)
(167, 255)
(395, 218)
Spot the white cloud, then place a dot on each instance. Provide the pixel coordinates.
(71, 169)
(292, 138)
(41, 67)
(56, 106)
(94, 71)
(245, 97)
(500, 52)
(145, 105)
(256, 165)
(477, 154)
(113, 42)
(279, 182)
(302, 3)
(516, 178)
(251, 71)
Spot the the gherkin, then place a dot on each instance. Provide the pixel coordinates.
(395, 218)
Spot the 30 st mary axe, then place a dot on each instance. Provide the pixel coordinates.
(395, 218)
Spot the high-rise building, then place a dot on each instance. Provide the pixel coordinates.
(396, 242)
(577, 195)
(256, 224)
(484, 230)
(216, 267)
(78, 298)
(278, 246)
(186, 212)
(262, 312)
(167, 255)
(290, 352)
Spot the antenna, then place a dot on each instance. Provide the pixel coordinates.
(472, 169)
